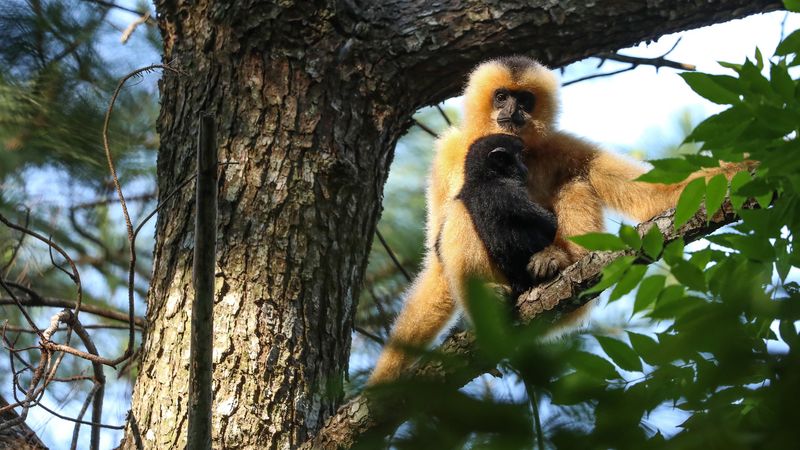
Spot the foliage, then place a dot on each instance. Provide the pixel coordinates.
(723, 360)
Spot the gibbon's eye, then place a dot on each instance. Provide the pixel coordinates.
(527, 100)
(500, 96)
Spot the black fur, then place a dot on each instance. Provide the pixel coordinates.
(511, 226)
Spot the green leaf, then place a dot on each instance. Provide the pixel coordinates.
(599, 241)
(689, 201)
(759, 59)
(782, 263)
(730, 65)
(715, 194)
(668, 170)
(792, 5)
(648, 292)
(755, 247)
(490, 318)
(630, 236)
(781, 81)
(611, 274)
(723, 128)
(689, 275)
(646, 347)
(576, 388)
(765, 200)
(628, 281)
(671, 302)
(620, 353)
(739, 180)
(710, 87)
(594, 365)
(674, 251)
(653, 242)
(789, 45)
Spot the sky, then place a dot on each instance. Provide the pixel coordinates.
(631, 111)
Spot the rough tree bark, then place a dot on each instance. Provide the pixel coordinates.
(310, 98)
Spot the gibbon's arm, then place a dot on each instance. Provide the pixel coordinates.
(612, 177)
(446, 178)
(428, 307)
(579, 211)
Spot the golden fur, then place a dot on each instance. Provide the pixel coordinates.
(567, 175)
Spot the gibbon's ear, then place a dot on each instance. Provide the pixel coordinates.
(501, 157)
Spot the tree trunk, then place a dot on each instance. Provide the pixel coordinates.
(309, 100)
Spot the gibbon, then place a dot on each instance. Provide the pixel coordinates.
(518, 96)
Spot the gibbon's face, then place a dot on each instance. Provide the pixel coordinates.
(512, 95)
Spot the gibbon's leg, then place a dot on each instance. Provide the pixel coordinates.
(427, 310)
(579, 211)
(612, 177)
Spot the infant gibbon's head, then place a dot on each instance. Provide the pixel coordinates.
(496, 157)
(513, 95)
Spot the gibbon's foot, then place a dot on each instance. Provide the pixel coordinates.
(548, 262)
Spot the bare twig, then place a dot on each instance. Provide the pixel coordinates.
(444, 115)
(34, 299)
(392, 255)
(133, 26)
(131, 236)
(635, 61)
(425, 128)
(15, 250)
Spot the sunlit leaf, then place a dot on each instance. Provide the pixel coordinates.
(628, 281)
(689, 201)
(599, 241)
(648, 292)
(715, 194)
(630, 236)
(611, 274)
(653, 242)
(711, 87)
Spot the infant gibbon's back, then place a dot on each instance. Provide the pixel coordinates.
(511, 226)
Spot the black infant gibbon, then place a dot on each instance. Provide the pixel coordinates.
(495, 193)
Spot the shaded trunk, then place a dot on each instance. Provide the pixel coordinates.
(297, 206)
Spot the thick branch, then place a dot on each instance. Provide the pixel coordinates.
(19, 436)
(561, 295)
(433, 45)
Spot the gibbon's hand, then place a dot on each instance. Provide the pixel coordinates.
(548, 262)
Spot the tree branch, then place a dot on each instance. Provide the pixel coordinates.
(559, 296)
(433, 45)
(18, 436)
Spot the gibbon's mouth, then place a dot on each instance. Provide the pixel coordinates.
(508, 125)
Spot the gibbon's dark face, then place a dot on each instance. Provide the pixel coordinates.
(496, 156)
(513, 108)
